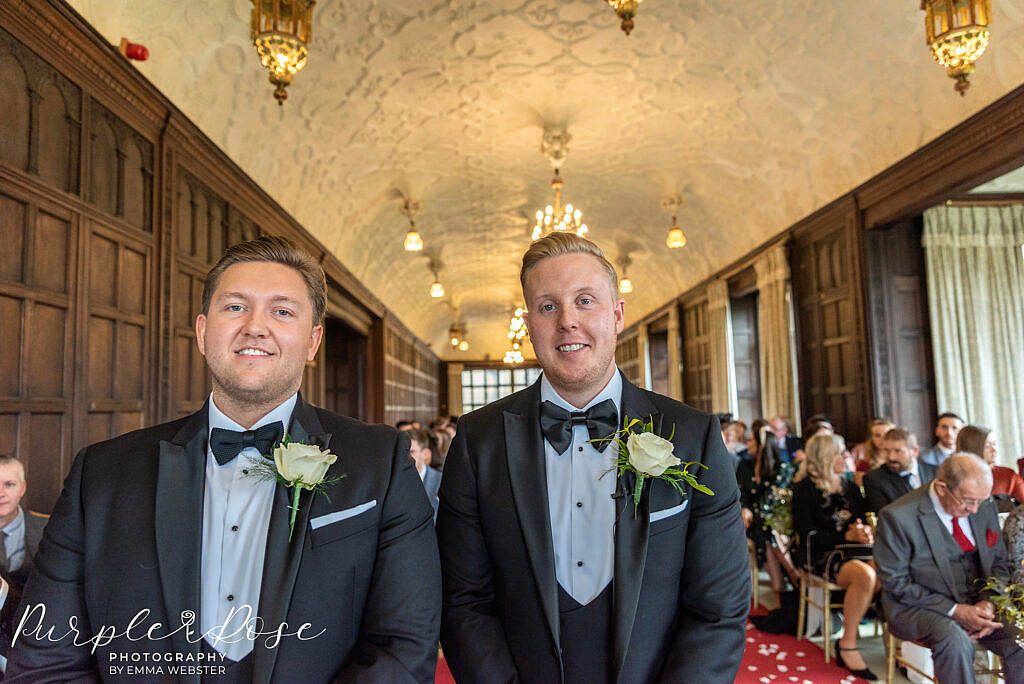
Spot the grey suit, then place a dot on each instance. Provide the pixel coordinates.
(921, 584)
(432, 482)
(933, 456)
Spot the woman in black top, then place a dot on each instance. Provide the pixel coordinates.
(833, 509)
(760, 479)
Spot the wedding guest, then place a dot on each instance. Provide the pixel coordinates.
(20, 533)
(405, 425)
(1013, 535)
(442, 442)
(817, 423)
(789, 443)
(900, 471)
(171, 521)
(421, 448)
(828, 510)
(760, 479)
(735, 437)
(533, 527)
(933, 545)
(981, 441)
(867, 455)
(947, 426)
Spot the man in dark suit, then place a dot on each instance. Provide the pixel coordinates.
(422, 452)
(550, 573)
(932, 546)
(20, 532)
(173, 524)
(900, 473)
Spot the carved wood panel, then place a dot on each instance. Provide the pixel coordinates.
(410, 380)
(696, 356)
(627, 358)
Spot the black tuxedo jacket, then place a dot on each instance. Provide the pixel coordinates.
(681, 587)
(126, 535)
(882, 486)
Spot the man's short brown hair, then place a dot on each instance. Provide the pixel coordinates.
(558, 244)
(901, 435)
(277, 250)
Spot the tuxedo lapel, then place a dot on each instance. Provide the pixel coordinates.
(631, 531)
(180, 485)
(524, 450)
(282, 557)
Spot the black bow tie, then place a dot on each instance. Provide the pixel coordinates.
(602, 420)
(226, 444)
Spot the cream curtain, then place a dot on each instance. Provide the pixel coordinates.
(774, 323)
(975, 270)
(723, 377)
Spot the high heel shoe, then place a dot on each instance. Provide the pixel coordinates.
(864, 673)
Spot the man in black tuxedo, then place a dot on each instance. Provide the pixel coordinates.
(550, 575)
(901, 471)
(171, 525)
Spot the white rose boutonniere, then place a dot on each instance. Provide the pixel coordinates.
(640, 451)
(297, 465)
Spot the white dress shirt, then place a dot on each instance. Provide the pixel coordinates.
(236, 517)
(14, 541)
(580, 502)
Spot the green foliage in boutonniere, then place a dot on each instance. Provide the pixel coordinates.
(297, 465)
(1008, 600)
(648, 455)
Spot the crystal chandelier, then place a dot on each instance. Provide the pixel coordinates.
(516, 333)
(626, 9)
(555, 217)
(675, 238)
(281, 31)
(957, 32)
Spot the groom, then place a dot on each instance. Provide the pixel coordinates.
(168, 559)
(550, 575)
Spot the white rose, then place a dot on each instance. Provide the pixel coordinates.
(650, 454)
(303, 462)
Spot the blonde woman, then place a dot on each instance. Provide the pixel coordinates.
(866, 454)
(829, 510)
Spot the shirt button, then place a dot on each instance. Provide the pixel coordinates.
(581, 448)
(579, 564)
(234, 528)
(231, 597)
(579, 504)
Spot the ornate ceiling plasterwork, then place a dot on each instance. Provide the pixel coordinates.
(757, 113)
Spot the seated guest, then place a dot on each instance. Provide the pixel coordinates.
(1013, 535)
(759, 479)
(981, 441)
(406, 425)
(20, 532)
(420, 451)
(828, 510)
(946, 429)
(817, 423)
(735, 438)
(868, 454)
(789, 443)
(900, 472)
(933, 544)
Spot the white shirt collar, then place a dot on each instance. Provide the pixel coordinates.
(613, 391)
(283, 413)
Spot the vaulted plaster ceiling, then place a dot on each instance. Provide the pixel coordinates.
(756, 112)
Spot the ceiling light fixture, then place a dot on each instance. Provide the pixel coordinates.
(411, 209)
(675, 238)
(625, 284)
(957, 32)
(626, 9)
(281, 31)
(516, 333)
(555, 146)
(436, 288)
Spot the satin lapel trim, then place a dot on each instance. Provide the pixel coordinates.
(935, 532)
(178, 519)
(282, 558)
(631, 531)
(524, 450)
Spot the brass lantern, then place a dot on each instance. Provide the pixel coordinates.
(958, 35)
(626, 9)
(281, 31)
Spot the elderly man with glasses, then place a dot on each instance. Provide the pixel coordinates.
(932, 546)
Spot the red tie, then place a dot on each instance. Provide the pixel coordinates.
(961, 538)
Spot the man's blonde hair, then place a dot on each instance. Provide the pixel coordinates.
(559, 244)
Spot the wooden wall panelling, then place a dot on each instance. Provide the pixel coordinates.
(827, 272)
(627, 358)
(901, 350)
(696, 355)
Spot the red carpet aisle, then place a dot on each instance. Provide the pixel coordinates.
(782, 659)
(768, 659)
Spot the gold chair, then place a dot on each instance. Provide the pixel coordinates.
(894, 658)
(755, 582)
(809, 581)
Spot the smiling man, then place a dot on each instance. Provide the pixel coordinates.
(550, 575)
(171, 529)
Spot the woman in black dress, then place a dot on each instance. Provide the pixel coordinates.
(761, 479)
(832, 507)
